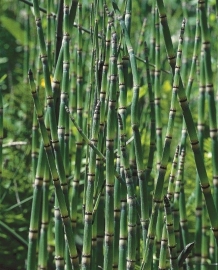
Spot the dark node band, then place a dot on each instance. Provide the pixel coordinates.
(109, 185)
(183, 100)
(86, 256)
(194, 143)
(33, 231)
(88, 213)
(73, 257)
(162, 16)
(205, 187)
(109, 234)
(58, 258)
(64, 217)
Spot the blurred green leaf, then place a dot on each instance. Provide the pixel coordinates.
(13, 27)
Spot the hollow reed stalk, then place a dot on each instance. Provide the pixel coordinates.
(135, 115)
(55, 177)
(128, 11)
(117, 208)
(26, 60)
(59, 237)
(49, 32)
(152, 137)
(157, 198)
(163, 249)
(35, 211)
(172, 245)
(158, 122)
(183, 216)
(166, 34)
(139, 50)
(123, 201)
(131, 200)
(123, 227)
(88, 220)
(205, 239)
(205, 34)
(110, 136)
(176, 202)
(157, 94)
(171, 185)
(79, 109)
(43, 241)
(205, 186)
(35, 142)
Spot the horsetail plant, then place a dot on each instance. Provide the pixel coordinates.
(131, 201)
(86, 255)
(157, 198)
(97, 134)
(110, 136)
(135, 116)
(55, 178)
(172, 245)
(205, 186)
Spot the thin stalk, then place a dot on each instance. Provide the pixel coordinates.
(55, 177)
(110, 136)
(157, 198)
(131, 200)
(163, 249)
(43, 241)
(205, 186)
(172, 245)
(79, 108)
(135, 117)
(87, 242)
(35, 211)
(170, 189)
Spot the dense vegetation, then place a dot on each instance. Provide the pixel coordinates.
(108, 115)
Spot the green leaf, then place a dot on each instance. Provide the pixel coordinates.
(13, 27)
(3, 78)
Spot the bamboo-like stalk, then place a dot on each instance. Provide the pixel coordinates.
(157, 94)
(166, 34)
(117, 208)
(172, 245)
(205, 186)
(176, 202)
(158, 125)
(212, 107)
(131, 201)
(49, 34)
(86, 253)
(152, 137)
(170, 189)
(26, 44)
(111, 131)
(123, 201)
(79, 108)
(141, 38)
(123, 228)
(183, 215)
(205, 239)
(128, 11)
(163, 249)
(35, 211)
(55, 177)
(135, 117)
(157, 198)
(43, 241)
